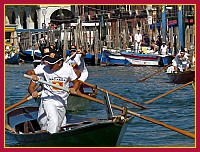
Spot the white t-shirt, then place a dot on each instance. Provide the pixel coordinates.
(138, 37)
(81, 66)
(62, 77)
(163, 50)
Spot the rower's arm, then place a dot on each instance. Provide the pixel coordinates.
(30, 72)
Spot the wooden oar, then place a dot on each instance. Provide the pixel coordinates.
(130, 112)
(47, 83)
(21, 102)
(7, 126)
(162, 95)
(26, 98)
(70, 57)
(115, 95)
(142, 116)
(141, 80)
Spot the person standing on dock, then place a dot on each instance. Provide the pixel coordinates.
(163, 49)
(138, 41)
(159, 42)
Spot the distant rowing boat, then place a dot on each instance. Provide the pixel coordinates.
(181, 77)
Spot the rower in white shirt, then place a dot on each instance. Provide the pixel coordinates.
(78, 64)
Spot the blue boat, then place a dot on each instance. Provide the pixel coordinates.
(28, 56)
(90, 59)
(12, 58)
(112, 57)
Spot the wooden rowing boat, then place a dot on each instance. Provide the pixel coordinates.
(79, 132)
(182, 77)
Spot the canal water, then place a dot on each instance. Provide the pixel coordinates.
(176, 109)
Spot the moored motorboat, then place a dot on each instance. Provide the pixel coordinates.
(113, 57)
(11, 54)
(146, 59)
(79, 132)
(12, 58)
(28, 56)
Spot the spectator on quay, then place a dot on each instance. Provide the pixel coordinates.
(164, 49)
(138, 41)
(159, 42)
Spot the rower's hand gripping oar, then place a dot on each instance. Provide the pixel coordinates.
(119, 108)
(70, 57)
(47, 83)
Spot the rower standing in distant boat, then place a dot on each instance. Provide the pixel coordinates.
(180, 63)
(138, 41)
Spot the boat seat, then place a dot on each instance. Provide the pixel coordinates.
(28, 127)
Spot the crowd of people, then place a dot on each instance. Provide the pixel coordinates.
(181, 62)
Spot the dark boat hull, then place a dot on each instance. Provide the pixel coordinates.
(113, 59)
(88, 136)
(80, 132)
(182, 77)
(27, 57)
